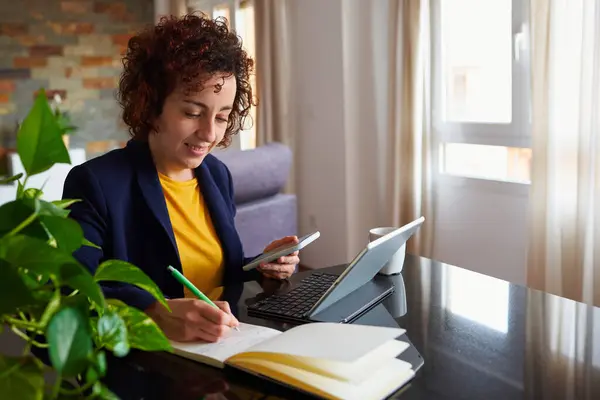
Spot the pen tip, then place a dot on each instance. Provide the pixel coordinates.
(170, 268)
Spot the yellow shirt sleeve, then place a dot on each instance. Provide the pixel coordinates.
(199, 247)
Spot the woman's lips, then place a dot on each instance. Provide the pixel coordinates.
(197, 150)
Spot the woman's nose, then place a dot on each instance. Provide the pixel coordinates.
(206, 131)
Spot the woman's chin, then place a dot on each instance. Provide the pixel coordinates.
(193, 164)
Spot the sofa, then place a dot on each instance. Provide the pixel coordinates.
(264, 212)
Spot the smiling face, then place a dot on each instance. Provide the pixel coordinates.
(191, 125)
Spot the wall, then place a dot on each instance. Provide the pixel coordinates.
(341, 123)
(72, 47)
(482, 226)
(320, 146)
(338, 53)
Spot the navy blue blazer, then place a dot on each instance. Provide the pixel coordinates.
(123, 210)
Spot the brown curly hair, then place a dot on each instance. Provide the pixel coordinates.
(187, 50)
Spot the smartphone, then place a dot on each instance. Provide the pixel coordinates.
(281, 251)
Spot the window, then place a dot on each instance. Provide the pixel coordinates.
(240, 15)
(481, 89)
(501, 163)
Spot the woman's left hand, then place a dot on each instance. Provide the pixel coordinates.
(283, 267)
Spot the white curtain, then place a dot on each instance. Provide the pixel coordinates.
(564, 251)
(410, 168)
(273, 75)
(562, 354)
(273, 70)
(564, 247)
(409, 113)
(386, 129)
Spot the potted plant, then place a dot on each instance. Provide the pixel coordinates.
(47, 297)
(63, 119)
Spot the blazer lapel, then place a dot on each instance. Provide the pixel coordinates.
(152, 192)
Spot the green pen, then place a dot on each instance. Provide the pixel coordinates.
(185, 282)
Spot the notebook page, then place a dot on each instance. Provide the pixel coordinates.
(352, 372)
(331, 341)
(379, 383)
(216, 353)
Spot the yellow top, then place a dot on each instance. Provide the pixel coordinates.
(199, 248)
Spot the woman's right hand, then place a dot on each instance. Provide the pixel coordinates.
(192, 319)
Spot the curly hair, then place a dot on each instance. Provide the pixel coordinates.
(187, 50)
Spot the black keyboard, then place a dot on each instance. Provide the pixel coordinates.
(297, 302)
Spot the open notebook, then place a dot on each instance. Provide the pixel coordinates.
(335, 361)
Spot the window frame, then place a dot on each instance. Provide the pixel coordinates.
(234, 5)
(515, 134)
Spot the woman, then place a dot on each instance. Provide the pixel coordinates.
(164, 199)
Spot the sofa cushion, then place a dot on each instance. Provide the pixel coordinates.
(261, 222)
(258, 173)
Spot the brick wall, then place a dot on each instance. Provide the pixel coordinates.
(72, 47)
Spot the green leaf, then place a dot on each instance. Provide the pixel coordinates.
(33, 254)
(13, 292)
(70, 341)
(98, 368)
(79, 301)
(21, 378)
(64, 123)
(78, 277)
(14, 213)
(86, 242)
(48, 208)
(11, 179)
(112, 333)
(144, 333)
(20, 190)
(67, 232)
(33, 280)
(100, 362)
(39, 142)
(102, 392)
(32, 193)
(121, 271)
(65, 202)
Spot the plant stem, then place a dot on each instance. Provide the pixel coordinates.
(29, 340)
(20, 323)
(56, 388)
(22, 225)
(27, 349)
(30, 326)
(79, 390)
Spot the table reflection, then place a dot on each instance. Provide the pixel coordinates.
(484, 338)
(563, 348)
(479, 298)
(396, 302)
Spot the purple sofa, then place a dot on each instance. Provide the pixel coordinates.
(264, 213)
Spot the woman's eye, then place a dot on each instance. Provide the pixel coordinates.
(192, 115)
(221, 119)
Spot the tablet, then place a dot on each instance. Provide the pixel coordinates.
(282, 251)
